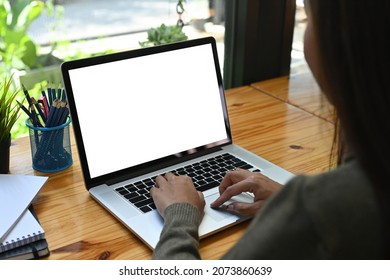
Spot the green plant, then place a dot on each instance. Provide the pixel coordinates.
(164, 35)
(17, 49)
(9, 111)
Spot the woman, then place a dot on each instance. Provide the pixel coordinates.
(340, 214)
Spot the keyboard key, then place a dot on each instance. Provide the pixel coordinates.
(245, 166)
(149, 182)
(209, 179)
(214, 172)
(131, 195)
(197, 167)
(202, 182)
(208, 186)
(217, 178)
(123, 192)
(189, 170)
(136, 199)
(131, 188)
(198, 178)
(143, 202)
(143, 191)
(145, 209)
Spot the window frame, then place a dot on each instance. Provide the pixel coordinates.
(258, 40)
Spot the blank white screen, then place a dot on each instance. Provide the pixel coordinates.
(136, 110)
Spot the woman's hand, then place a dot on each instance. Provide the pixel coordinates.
(239, 181)
(171, 189)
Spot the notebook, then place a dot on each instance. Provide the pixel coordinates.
(16, 194)
(26, 231)
(140, 113)
(33, 249)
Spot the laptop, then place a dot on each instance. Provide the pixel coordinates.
(141, 113)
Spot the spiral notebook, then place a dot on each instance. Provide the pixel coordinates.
(16, 194)
(26, 231)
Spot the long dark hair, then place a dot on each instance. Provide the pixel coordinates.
(354, 50)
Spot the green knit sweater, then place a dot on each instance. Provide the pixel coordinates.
(330, 216)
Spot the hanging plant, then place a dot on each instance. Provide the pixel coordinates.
(165, 34)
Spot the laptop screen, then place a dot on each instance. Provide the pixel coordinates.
(138, 109)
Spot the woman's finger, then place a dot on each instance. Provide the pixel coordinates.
(231, 191)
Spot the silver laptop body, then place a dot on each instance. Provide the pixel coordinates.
(141, 113)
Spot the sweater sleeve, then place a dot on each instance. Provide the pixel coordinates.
(179, 238)
(281, 230)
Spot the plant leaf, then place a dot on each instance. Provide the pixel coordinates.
(30, 51)
(29, 13)
(9, 112)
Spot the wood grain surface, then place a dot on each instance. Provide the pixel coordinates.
(77, 227)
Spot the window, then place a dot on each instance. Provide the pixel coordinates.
(97, 25)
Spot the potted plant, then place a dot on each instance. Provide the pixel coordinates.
(9, 113)
(164, 35)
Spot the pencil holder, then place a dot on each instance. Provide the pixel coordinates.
(50, 147)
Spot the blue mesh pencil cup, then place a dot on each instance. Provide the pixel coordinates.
(50, 147)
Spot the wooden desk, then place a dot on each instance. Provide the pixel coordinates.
(300, 90)
(77, 227)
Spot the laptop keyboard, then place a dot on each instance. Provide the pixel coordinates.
(205, 174)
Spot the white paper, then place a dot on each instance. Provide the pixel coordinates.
(16, 194)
